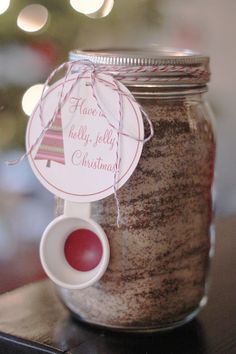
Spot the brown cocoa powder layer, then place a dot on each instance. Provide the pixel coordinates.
(159, 255)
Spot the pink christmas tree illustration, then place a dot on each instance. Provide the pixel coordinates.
(52, 146)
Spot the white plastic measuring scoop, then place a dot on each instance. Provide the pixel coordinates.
(74, 249)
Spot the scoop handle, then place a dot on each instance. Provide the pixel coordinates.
(79, 210)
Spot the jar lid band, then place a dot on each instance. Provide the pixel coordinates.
(161, 67)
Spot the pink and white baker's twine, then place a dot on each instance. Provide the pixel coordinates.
(84, 67)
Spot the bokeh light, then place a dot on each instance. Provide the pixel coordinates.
(87, 6)
(32, 18)
(104, 10)
(31, 98)
(4, 4)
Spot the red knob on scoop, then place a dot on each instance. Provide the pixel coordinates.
(83, 250)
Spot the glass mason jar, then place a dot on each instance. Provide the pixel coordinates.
(156, 278)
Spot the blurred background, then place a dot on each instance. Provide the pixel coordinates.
(35, 36)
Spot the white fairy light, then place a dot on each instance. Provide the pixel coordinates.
(104, 10)
(4, 5)
(32, 18)
(31, 98)
(87, 7)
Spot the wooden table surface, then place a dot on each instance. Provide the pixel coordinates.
(32, 320)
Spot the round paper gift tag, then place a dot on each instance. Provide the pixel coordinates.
(76, 156)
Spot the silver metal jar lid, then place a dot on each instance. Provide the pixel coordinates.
(160, 66)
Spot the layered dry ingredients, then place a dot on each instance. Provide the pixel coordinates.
(159, 256)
